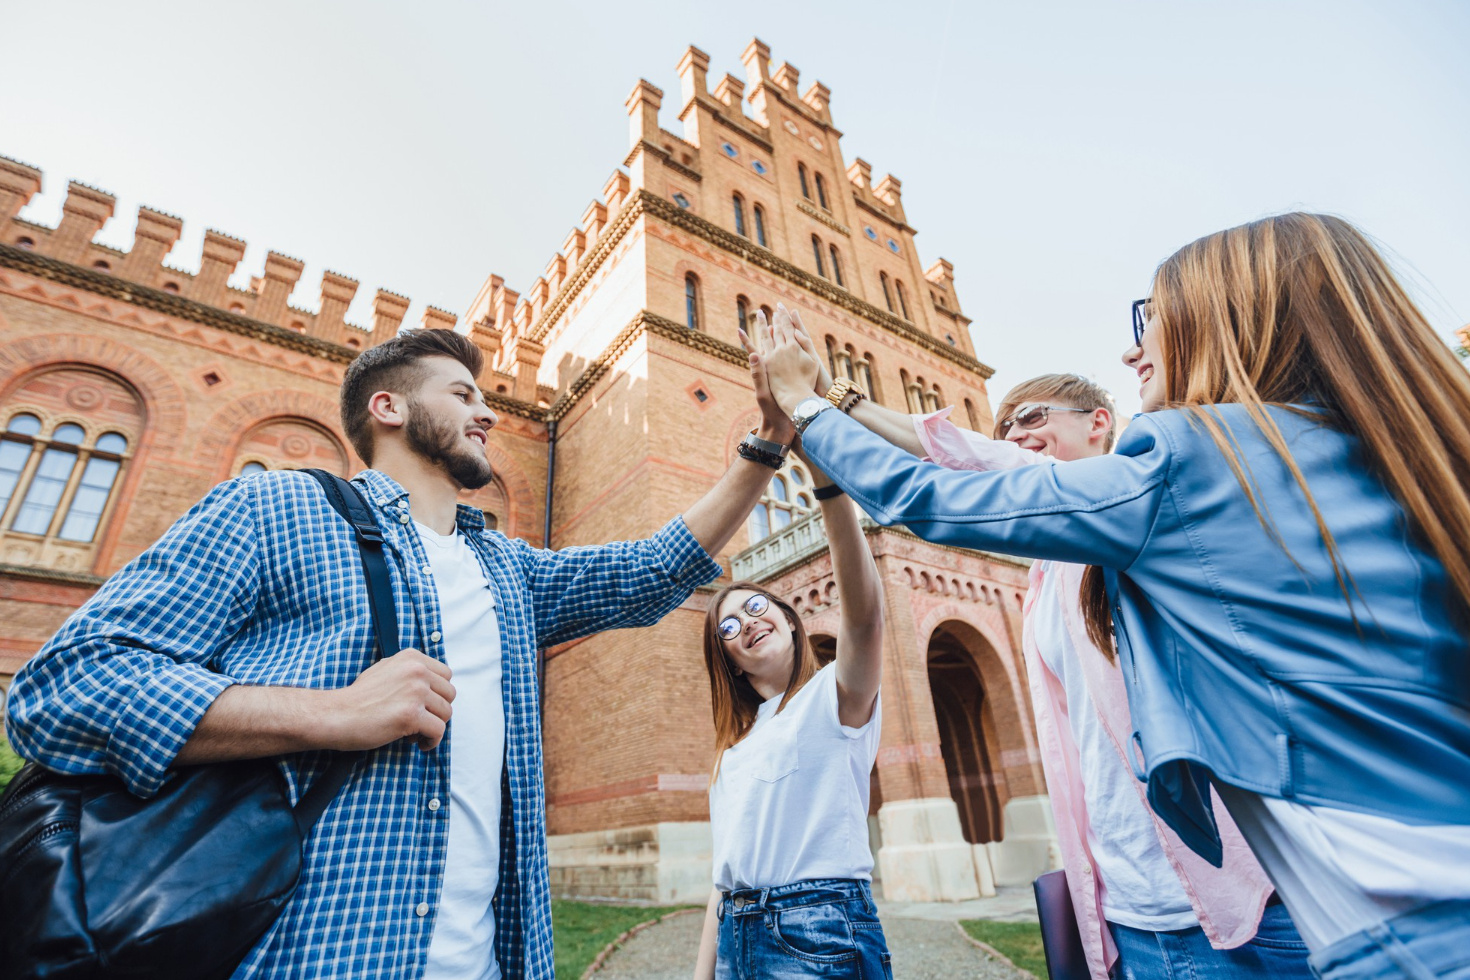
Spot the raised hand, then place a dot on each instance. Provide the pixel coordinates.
(824, 377)
(792, 370)
(775, 424)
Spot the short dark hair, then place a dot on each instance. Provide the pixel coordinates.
(394, 366)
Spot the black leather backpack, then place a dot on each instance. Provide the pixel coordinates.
(97, 884)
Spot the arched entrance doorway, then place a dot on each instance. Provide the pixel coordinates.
(968, 739)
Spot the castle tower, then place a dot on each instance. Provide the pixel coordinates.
(633, 329)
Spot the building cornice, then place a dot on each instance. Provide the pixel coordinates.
(52, 575)
(823, 217)
(506, 405)
(169, 304)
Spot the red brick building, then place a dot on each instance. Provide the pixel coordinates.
(129, 388)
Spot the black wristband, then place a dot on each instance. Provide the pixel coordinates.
(827, 493)
(747, 451)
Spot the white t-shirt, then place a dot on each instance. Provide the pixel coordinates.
(463, 946)
(1140, 887)
(1340, 872)
(791, 799)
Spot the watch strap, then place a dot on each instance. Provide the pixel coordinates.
(771, 447)
(827, 493)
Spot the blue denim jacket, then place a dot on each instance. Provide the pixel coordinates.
(1242, 660)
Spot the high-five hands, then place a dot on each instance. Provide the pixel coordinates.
(793, 369)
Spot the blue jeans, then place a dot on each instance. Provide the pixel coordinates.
(1276, 953)
(825, 927)
(1429, 942)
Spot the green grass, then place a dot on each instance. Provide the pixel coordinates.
(10, 763)
(1020, 942)
(581, 929)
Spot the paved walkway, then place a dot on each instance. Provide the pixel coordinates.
(923, 938)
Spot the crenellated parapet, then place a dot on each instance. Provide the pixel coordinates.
(87, 210)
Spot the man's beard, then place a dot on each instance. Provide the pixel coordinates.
(439, 443)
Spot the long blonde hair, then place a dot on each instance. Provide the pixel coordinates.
(732, 698)
(1301, 308)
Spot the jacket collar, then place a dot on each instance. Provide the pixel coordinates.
(388, 494)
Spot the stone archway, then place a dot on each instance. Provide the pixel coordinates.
(968, 740)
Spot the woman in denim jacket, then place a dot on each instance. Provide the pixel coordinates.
(1281, 547)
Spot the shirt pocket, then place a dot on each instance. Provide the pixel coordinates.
(779, 761)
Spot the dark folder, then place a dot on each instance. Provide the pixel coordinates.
(1060, 937)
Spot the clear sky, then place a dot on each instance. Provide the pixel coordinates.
(1054, 152)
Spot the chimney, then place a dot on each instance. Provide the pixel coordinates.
(337, 294)
(437, 319)
(861, 173)
(731, 91)
(85, 212)
(788, 76)
(819, 99)
(642, 105)
(757, 61)
(693, 68)
(388, 311)
(615, 190)
(281, 275)
(221, 255)
(18, 184)
(592, 221)
(154, 238)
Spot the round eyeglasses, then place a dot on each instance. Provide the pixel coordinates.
(756, 605)
(1034, 416)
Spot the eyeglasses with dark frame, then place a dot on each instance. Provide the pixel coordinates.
(1034, 416)
(756, 605)
(1140, 320)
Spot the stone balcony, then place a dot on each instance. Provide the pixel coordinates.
(802, 540)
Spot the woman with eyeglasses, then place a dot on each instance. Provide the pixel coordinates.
(795, 744)
(1281, 563)
(1146, 906)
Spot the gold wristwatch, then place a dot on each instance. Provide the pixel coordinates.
(846, 391)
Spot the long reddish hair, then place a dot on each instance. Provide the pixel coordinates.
(1300, 307)
(732, 698)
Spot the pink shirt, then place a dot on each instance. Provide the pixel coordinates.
(1228, 900)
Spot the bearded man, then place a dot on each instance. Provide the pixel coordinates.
(246, 632)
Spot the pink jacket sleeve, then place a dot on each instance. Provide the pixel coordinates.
(960, 449)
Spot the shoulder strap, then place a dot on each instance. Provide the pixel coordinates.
(348, 501)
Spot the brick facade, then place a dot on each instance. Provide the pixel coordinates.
(594, 365)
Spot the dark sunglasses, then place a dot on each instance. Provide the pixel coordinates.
(1140, 320)
(730, 626)
(1034, 416)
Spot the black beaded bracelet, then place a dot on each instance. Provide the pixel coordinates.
(827, 493)
(755, 455)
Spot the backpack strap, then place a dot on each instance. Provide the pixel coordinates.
(348, 501)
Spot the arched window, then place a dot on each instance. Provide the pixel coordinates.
(25, 243)
(864, 368)
(822, 193)
(252, 468)
(788, 498)
(801, 175)
(836, 265)
(691, 301)
(742, 313)
(974, 416)
(760, 226)
(49, 481)
(817, 254)
(832, 357)
(932, 399)
(887, 296)
(98, 478)
(68, 489)
(15, 452)
(913, 393)
(844, 365)
(903, 300)
(739, 215)
(767, 311)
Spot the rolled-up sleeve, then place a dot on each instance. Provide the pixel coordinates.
(957, 449)
(122, 685)
(577, 591)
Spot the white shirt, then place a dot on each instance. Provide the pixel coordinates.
(463, 946)
(791, 799)
(1140, 887)
(1340, 872)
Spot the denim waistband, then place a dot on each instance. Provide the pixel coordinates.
(1425, 942)
(813, 891)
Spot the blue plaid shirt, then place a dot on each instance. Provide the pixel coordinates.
(260, 583)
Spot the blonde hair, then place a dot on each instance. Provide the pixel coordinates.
(1072, 390)
(1300, 308)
